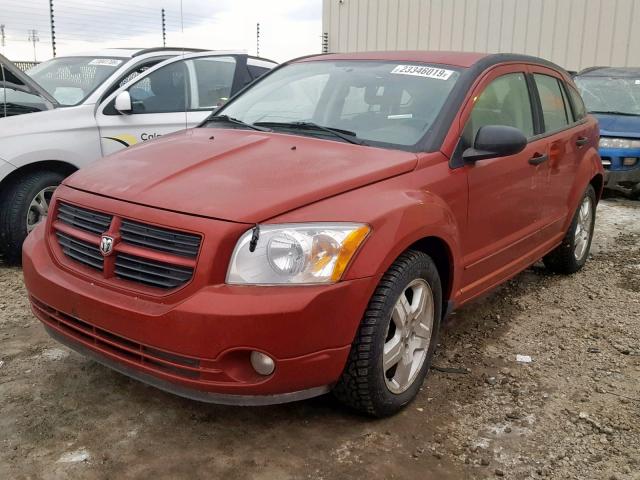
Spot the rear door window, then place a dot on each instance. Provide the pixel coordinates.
(555, 111)
(212, 81)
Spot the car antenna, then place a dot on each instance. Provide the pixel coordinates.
(186, 122)
(4, 89)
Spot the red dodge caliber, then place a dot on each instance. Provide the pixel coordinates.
(312, 234)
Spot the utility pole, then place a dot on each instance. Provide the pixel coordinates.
(53, 28)
(164, 30)
(2, 37)
(34, 38)
(257, 39)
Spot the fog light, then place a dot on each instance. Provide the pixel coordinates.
(629, 161)
(261, 363)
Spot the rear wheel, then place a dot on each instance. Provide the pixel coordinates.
(571, 255)
(22, 207)
(394, 345)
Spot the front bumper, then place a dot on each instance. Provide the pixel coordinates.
(199, 347)
(617, 175)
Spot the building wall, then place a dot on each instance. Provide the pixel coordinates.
(572, 33)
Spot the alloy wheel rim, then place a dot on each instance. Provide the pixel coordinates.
(39, 207)
(408, 336)
(583, 229)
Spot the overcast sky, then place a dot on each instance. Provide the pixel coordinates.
(288, 28)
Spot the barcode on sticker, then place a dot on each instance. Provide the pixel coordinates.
(423, 71)
(105, 62)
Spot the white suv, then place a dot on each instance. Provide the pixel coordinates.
(70, 111)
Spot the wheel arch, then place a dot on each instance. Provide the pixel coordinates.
(440, 252)
(65, 168)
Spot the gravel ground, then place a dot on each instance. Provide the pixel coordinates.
(572, 413)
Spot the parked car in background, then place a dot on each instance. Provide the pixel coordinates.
(70, 111)
(613, 96)
(313, 233)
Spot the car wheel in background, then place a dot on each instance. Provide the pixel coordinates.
(571, 255)
(22, 207)
(393, 348)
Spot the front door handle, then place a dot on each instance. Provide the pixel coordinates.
(537, 159)
(582, 141)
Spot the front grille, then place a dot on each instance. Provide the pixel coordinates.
(83, 219)
(150, 256)
(143, 355)
(170, 241)
(149, 272)
(81, 251)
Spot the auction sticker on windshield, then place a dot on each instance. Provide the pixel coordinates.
(423, 71)
(105, 62)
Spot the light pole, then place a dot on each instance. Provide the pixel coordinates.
(34, 38)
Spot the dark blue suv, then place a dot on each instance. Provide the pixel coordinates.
(613, 96)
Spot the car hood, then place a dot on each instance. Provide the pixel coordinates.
(16, 79)
(238, 175)
(619, 125)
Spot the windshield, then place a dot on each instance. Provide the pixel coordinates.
(72, 79)
(610, 94)
(374, 102)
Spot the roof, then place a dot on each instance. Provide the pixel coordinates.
(619, 72)
(457, 59)
(130, 52)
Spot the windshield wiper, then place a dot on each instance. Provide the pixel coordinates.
(346, 135)
(235, 121)
(614, 112)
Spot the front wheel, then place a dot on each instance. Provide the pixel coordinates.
(571, 255)
(22, 207)
(394, 345)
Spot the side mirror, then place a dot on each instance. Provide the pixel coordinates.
(123, 102)
(494, 141)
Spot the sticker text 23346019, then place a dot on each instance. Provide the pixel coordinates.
(423, 71)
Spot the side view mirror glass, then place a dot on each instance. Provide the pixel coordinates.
(494, 141)
(123, 102)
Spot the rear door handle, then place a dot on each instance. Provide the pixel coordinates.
(582, 141)
(537, 159)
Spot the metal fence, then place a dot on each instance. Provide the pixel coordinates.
(25, 65)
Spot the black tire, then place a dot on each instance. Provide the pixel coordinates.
(562, 259)
(362, 385)
(635, 192)
(14, 206)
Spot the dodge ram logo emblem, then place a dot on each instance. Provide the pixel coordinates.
(106, 245)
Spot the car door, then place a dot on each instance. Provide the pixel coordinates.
(175, 95)
(566, 139)
(504, 212)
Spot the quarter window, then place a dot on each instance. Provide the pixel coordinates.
(579, 110)
(554, 109)
(505, 101)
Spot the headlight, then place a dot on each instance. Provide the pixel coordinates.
(296, 253)
(610, 142)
